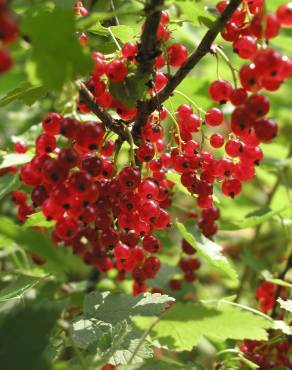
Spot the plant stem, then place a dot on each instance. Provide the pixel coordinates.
(143, 338)
(200, 110)
(176, 129)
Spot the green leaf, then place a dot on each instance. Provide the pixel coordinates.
(68, 98)
(58, 260)
(195, 13)
(123, 33)
(25, 92)
(18, 288)
(8, 183)
(113, 308)
(283, 326)
(24, 336)
(209, 250)
(163, 363)
(130, 90)
(286, 305)
(125, 344)
(184, 325)
(38, 219)
(277, 163)
(106, 325)
(252, 219)
(14, 159)
(57, 55)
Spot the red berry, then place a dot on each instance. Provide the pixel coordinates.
(232, 148)
(266, 130)
(6, 61)
(245, 47)
(177, 54)
(284, 14)
(18, 197)
(220, 91)
(216, 140)
(238, 96)
(45, 144)
(129, 50)
(66, 228)
(151, 244)
(174, 284)
(20, 147)
(116, 71)
(51, 123)
(231, 188)
(214, 117)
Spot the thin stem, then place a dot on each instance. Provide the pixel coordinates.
(112, 5)
(104, 116)
(200, 110)
(131, 142)
(219, 51)
(114, 38)
(253, 310)
(143, 338)
(78, 354)
(176, 129)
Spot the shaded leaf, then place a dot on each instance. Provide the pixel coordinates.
(14, 159)
(18, 288)
(130, 90)
(37, 321)
(8, 183)
(25, 92)
(68, 98)
(57, 56)
(58, 260)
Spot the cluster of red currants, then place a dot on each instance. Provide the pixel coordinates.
(274, 353)
(108, 217)
(266, 295)
(8, 33)
(268, 355)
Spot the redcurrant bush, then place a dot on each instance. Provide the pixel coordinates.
(145, 176)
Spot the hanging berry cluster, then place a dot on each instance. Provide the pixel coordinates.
(268, 355)
(8, 33)
(109, 215)
(277, 351)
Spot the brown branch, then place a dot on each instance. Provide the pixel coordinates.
(149, 46)
(148, 106)
(105, 117)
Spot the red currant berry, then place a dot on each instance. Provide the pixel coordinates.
(214, 117)
(177, 54)
(116, 71)
(220, 91)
